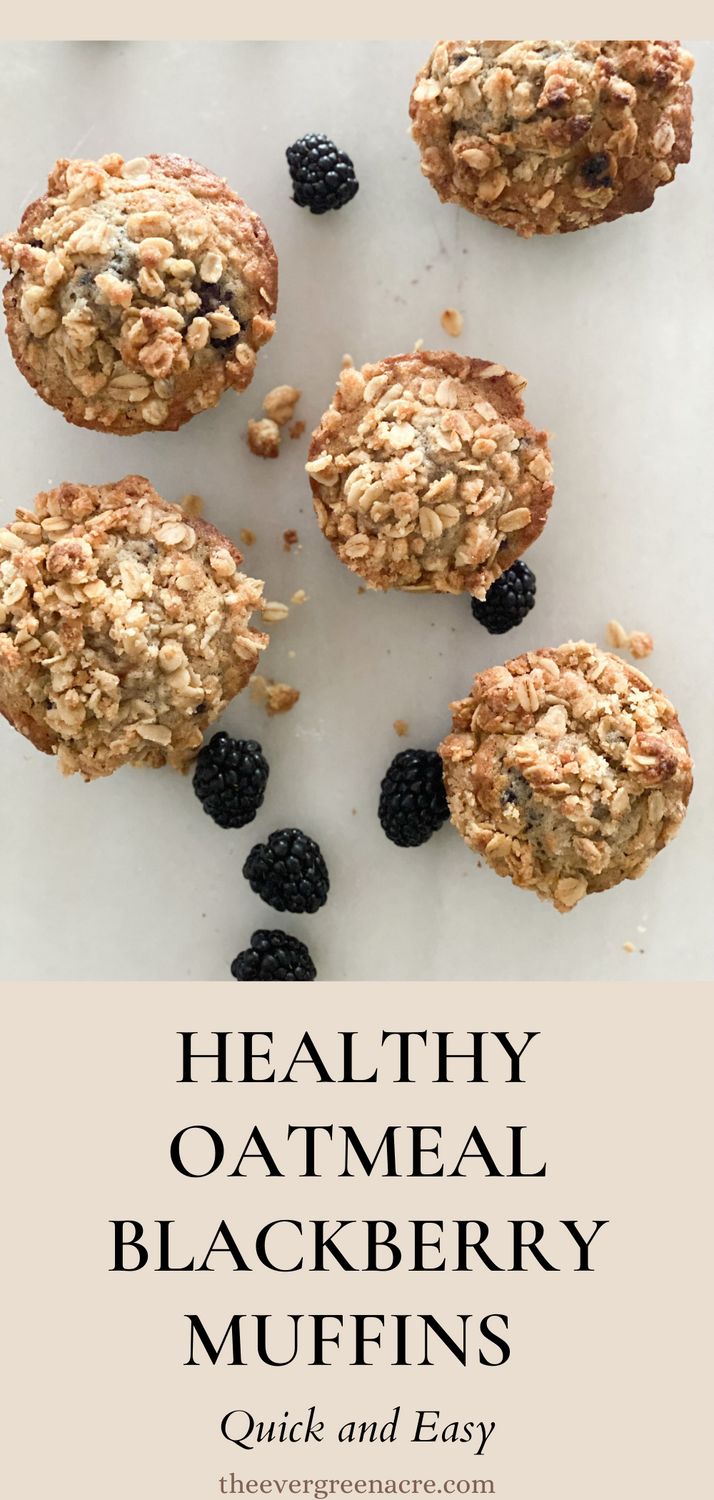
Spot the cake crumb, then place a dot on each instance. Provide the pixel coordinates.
(419, 345)
(192, 505)
(296, 430)
(400, 727)
(273, 611)
(452, 322)
(264, 438)
(637, 642)
(290, 540)
(279, 404)
(629, 948)
(300, 597)
(275, 697)
(247, 536)
(347, 362)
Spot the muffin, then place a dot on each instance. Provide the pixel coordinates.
(426, 475)
(140, 291)
(567, 770)
(124, 630)
(545, 137)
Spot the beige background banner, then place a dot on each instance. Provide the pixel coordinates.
(605, 1391)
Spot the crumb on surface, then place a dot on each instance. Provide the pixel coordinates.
(300, 597)
(275, 697)
(247, 536)
(629, 947)
(264, 438)
(296, 430)
(347, 362)
(400, 727)
(191, 505)
(452, 322)
(279, 404)
(290, 539)
(637, 642)
(274, 610)
(419, 345)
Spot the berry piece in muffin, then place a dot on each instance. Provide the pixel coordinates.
(322, 177)
(412, 800)
(273, 955)
(140, 292)
(288, 872)
(124, 628)
(546, 137)
(426, 474)
(230, 780)
(567, 770)
(508, 600)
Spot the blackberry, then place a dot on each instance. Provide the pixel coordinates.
(412, 803)
(230, 779)
(322, 176)
(273, 955)
(288, 872)
(508, 600)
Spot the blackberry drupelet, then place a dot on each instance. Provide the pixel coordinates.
(288, 872)
(508, 600)
(273, 955)
(322, 176)
(412, 803)
(230, 780)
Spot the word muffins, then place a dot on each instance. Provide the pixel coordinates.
(546, 137)
(567, 770)
(140, 292)
(426, 474)
(124, 630)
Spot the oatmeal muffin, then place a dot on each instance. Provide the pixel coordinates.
(140, 291)
(545, 137)
(426, 475)
(567, 770)
(124, 630)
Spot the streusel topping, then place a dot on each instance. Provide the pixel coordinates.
(567, 770)
(426, 475)
(141, 290)
(124, 628)
(549, 136)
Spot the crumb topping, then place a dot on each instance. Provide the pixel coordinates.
(567, 770)
(264, 437)
(426, 475)
(637, 642)
(141, 290)
(550, 136)
(452, 322)
(275, 697)
(124, 629)
(280, 403)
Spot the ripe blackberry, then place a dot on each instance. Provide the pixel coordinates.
(273, 955)
(508, 600)
(288, 872)
(412, 803)
(230, 779)
(322, 176)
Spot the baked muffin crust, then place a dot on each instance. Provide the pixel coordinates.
(546, 137)
(140, 292)
(426, 474)
(567, 770)
(124, 630)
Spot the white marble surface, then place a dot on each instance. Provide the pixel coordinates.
(127, 878)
